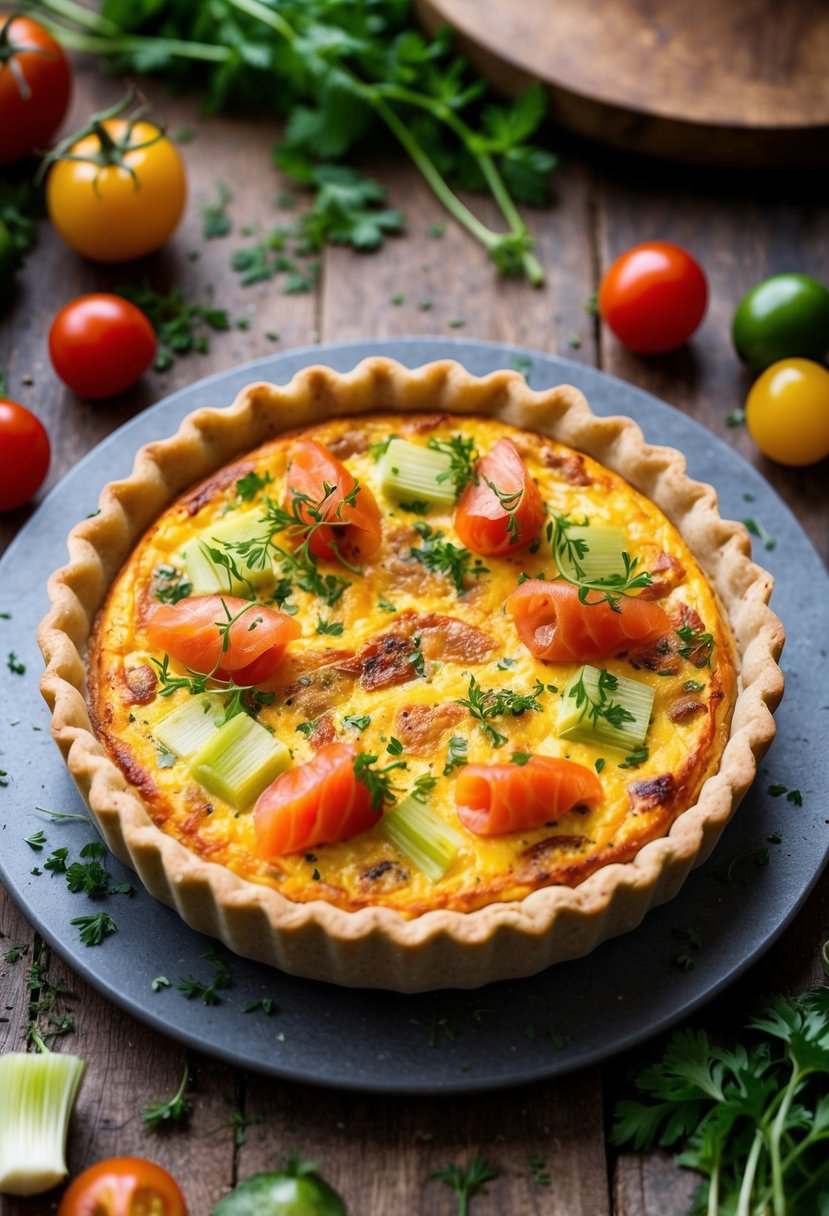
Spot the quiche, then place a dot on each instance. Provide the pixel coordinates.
(409, 679)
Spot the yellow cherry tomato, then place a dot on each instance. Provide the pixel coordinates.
(112, 212)
(787, 412)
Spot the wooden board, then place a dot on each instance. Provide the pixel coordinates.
(739, 83)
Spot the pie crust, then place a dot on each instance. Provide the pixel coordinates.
(377, 946)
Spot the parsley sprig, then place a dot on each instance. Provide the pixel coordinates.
(179, 323)
(378, 781)
(348, 74)
(484, 704)
(569, 551)
(463, 456)
(752, 1118)
(173, 1111)
(697, 648)
(601, 705)
(469, 1182)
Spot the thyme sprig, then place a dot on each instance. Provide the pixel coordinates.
(442, 557)
(601, 705)
(569, 551)
(510, 502)
(484, 704)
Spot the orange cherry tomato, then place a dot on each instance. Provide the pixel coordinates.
(100, 345)
(328, 492)
(24, 454)
(320, 802)
(493, 799)
(192, 632)
(504, 511)
(116, 212)
(653, 297)
(35, 84)
(123, 1186)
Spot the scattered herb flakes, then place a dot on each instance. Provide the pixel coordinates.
(635, 758)
(93, 929)
(214, 217)
(378, 782)
(249, 486)
(775, 838)
(442, 557)
(591, 306)
(266, 1003)
(46, 999)
(738, 870)
(172, 585)
(600, 763)
(692, 938)
(179, 323)
(185, 135)
(394, 747)
(748, 497)
(735, 417)
(385, 605)
(285, 200)
(505, 664)
(305, 728)
(358, 721)
(756, 529)
(456, 322)
(424, 304)
(15, 952)
(397, 299)
(520, 758)
(243, 323)
(484, 704)
(423, 787)
(190, 987)
(793, 796)
(334, 628)
(574, 342)
(697, 648)
(239, 1122)
(171, 1113)
(37, 840)
(455, 755)
(4, 616)
(435, 1028)
(538, 1169)
(436, 231)
(693, 686)
(89, 875)
(14, 665)
(56, 861)
(160, 982)
(164, 759)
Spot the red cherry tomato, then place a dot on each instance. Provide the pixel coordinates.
(653, 297)
(24, 454)
(34, 87)
(100, 345)
(123, 1186)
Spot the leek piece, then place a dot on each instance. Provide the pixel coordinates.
(597, 707)
(208, 578)
(408, 470)
(239, 760)
(603, 549)
(37, 1093)
(420, 833)
(190, 725)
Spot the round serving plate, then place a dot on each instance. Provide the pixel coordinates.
(570, 1016)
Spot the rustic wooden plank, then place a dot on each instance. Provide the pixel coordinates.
(13, 993)
(741, 231)
(651, 1185)
(379, 1152)
(223, 148)
(449, 278)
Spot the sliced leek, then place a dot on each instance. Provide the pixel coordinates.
(190, 725)
(597, 707)
(239, 760)
(598, 550)
(422, 836)
(37, 1094)
(210, 578)
(411, 471)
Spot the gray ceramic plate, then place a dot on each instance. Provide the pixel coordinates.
(568, 1017)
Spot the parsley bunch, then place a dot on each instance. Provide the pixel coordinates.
(753, 1119)
(343, 75)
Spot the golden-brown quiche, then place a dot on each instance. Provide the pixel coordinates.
(410, 679)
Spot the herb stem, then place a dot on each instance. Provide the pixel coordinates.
(747, 1188)
(74, 40)
(82, 15)
(267, 16)
(774, 1138)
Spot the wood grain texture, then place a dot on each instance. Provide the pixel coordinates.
(381, 1151)
(738, 83)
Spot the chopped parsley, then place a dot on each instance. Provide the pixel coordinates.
(485, 704)
(442, 557)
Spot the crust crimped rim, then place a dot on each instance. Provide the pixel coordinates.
(378, 947)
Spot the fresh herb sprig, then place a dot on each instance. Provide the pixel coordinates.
(463, 456)
(469, 1182)
(601, 704)
(346, 72)
(569, 552)
(159, 1115)
(179, 323)
(697, 648)
(378, 781)
(510, 502)
(752, 1118)
(442, 557)
(484, 704)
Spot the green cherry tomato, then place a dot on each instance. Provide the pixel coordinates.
(296, 1191)
(787, 412)
(784, 316)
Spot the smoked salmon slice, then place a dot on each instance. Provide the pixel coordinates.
(326, 490)
(193, 633)
(493, 799)
(556, 626)
(320, 802)
(503, 511)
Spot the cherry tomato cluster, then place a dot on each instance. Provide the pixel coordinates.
(653, 298)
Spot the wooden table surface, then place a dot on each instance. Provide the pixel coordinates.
(379, 1152)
